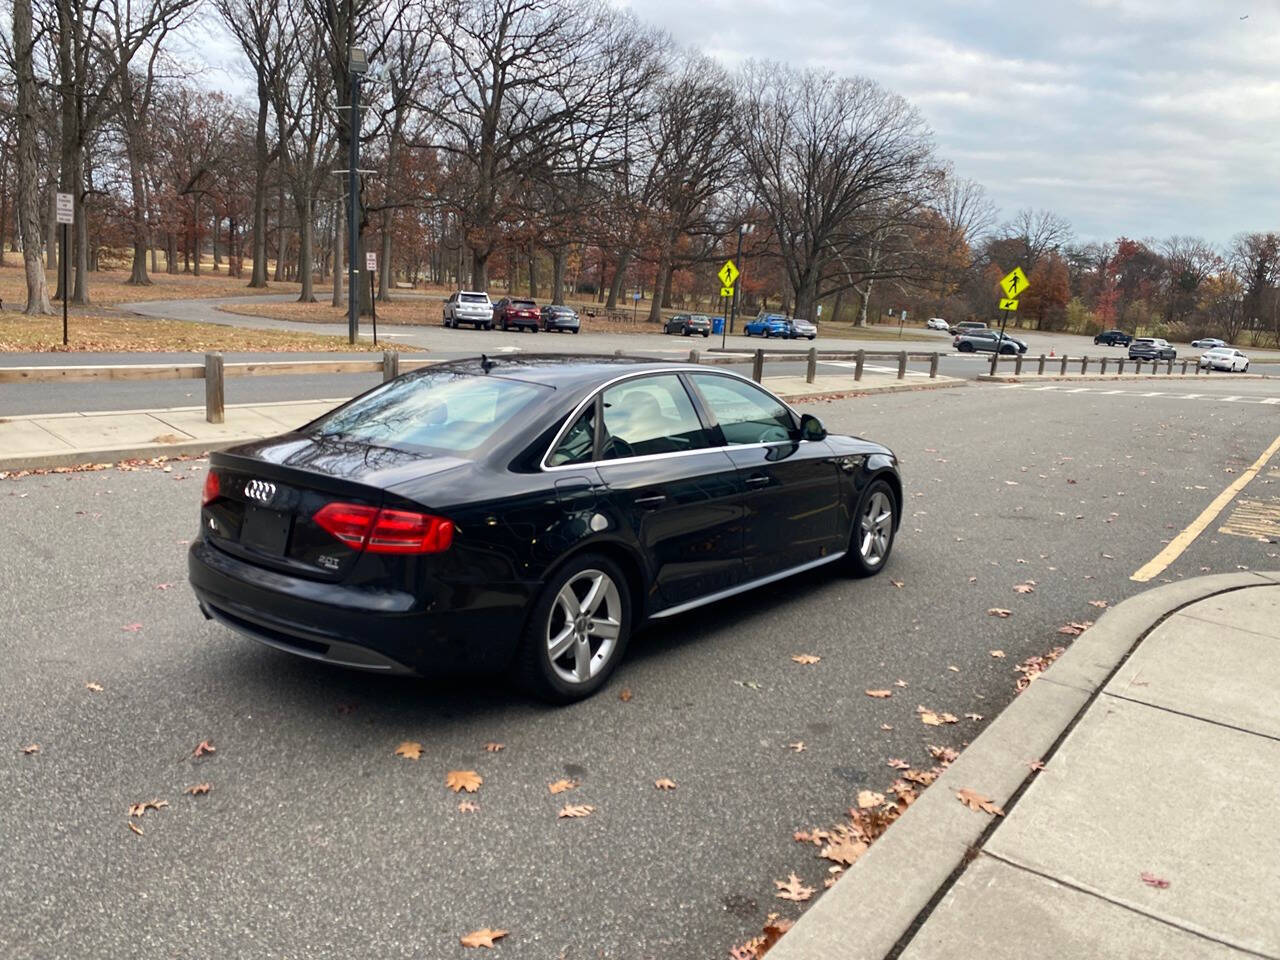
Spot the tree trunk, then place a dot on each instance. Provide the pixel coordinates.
(619, 277)
(28, 193)
(304, 249)
(479, 269)
(51, 250)
(384, 260)
(559, 262)
(663, 278)
(533, 275)
(338, 233)
(865, 297)
(259, 277)
(280, 240)
(195, 234)
(217, 235)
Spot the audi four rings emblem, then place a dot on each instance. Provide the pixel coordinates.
(260, 490)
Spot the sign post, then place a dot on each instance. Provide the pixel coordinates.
(728, 274)
(902, 322)
(635, 305)
(66, 215)
(1014, 285)
(371, 264)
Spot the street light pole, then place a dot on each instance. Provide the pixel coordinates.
(743, 229)
(357, 64)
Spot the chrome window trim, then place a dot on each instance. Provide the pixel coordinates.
(744, 587)
(685, 368)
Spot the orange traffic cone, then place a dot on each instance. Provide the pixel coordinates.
(1051, 353)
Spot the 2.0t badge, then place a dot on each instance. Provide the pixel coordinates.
(260, 490)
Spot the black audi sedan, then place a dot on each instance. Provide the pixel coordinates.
(529, 515)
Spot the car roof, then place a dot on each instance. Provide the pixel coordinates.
(555, 370)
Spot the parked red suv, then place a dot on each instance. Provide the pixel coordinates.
(521, 314)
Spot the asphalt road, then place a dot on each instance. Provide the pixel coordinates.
(315, 840)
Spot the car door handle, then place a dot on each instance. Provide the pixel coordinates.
(758, 480)
(650, 501)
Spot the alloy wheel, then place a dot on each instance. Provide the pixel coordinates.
(583, 626)
(876, 529)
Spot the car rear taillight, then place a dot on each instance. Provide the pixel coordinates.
(385, 531)
(212, 488)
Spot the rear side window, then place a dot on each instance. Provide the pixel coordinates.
(650, 415)
(745, 413)
(447, 412)
(577, 444)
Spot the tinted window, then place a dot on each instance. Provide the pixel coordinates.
(523, 304)
(576, 446)
(746, 414)
(445, 411)
(650, 415)
(474, 298)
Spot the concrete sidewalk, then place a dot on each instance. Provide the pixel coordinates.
(1150, 832)
(67, 439)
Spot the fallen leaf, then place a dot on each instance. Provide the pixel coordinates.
(998, 654)
(576, 810)
(898, 583)
(138, 809)
(879, 694)
(203, 747)
(868, 799)
(1036, 764)
(466, 806)
(625, 695)
(844, 850)
(31, 748)
(793, 889)
(953, 668)
(922, 777)
(885, 726)
(93, 687)
(773, 931)
(482, 938)
(1024, 588)
(467, 780)
(196, 789)
(1151, 880)
(798, 746)
(410, 750)
(664, 783)
(973, 579)
(131, 627)
(899, 764)
(1074, 629)
(944, 755)
(749, 684)
(560, 786)
(163, 586)
(135, 828)
(492, 747)
(976, 801)
(1000, 612)
(1100, 604)
(805, 658)
(973, 716)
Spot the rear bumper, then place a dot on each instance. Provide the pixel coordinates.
(562, 323)
(452, 629)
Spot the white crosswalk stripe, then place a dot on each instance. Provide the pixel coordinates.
(1060, 388)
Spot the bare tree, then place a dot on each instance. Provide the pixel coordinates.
(28, 193)
(1189, 261)
(1038, 232)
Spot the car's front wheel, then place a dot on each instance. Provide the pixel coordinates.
(578, 630)
(874, 526)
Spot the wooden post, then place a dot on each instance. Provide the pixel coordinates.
(857, 364)
(1063, 371)
(390, 365)
(1040, 369)
(1120, 366)
(1103, 371)
(693, 356)
(811, 373)
(902, 365)
(1084, 363)
(933, 366)
(1169, 369)
(1017, 365)
(995, 358)
(1184, 368)
(214, 396)
(757, 367)
(1197, 373)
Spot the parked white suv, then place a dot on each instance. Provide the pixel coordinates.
(937, 323)
(468, 306)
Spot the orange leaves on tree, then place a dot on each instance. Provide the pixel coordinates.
(410, 750)
(793, 889)
(976, 801)
(482, 938)
(459, 780)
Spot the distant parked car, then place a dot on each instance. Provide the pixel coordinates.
(1113, 338)
(987, 341)
(1224, 358)
(688, 325)
(1151, 348)
(521, 314)
(937, 323)
(468, 306)
(1208, 343)
(797, 328)
(560, 318)
(967, 326)
(768, 325)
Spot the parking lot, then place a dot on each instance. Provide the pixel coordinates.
(316, 839)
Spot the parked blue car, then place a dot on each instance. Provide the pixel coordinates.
(768, 325)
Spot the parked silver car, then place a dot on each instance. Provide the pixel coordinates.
(468, 306)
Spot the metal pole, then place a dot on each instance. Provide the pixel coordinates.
(733, 306)
(373, 305)
(353, 232)
(66, 281)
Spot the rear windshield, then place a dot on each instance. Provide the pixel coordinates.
(1144, 340)
(447, 412)
(523, 304)
(474, 298)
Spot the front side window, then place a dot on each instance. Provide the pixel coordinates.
(650, 415)
(746, 414)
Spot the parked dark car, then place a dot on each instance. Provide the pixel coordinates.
(688, 325)
(520, 314)
(529, 515)
(986, 341)
(560, 318)
(1151, 348)
(1113, 338)
(798, 329)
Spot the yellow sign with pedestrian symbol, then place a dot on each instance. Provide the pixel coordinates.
(1008, 304)
(728, 274)
(1014, 283)
(726, 291)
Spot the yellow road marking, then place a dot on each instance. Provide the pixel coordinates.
(1178, 544)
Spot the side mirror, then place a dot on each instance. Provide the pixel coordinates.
(811, 428)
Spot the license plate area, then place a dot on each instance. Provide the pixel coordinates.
(265, 530)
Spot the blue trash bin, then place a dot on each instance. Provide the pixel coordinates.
(717, 324)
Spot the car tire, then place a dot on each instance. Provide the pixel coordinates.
(576, 330)
(706, 334)
(965, 348)
(874, 526)
(813, 337)
(585, 663)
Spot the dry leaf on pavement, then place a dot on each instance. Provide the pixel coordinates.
(773, 931)
(805, 658)
(868, 799)
(467, 780)
(135, 828)
(93, 687)
(664, 783)
(138, 809)
(466, 806)
(1000, 612)
(798, 746)
(976, 801)
(198, 788)
(131, 627)
(482, 938)
(1151, 880)
(793, 889)
(998, 654)
(1100, 604)
(203, 747)
(899, 764)
(30, 748)
(492, 747)
(899, 683)
(1024, 588)
(560, 786)
(973, 716)
(1074, 629)
(898, 583)
(844, 850)
(944, 755)
(573, 810)
(625, 695)
(879, 694)
(410, 750)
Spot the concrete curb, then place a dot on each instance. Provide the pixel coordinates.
(113, 455)
(1109, 377)
(890, 388)
(889, 892)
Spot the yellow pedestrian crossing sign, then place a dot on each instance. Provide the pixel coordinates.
(726, 291)
(728, 274)
(1014, 283)
(1008, 304)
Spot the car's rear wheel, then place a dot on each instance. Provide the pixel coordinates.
(578, 630)
(873, 531)
(965, 348)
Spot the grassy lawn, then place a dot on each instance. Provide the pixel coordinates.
(848, 331)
